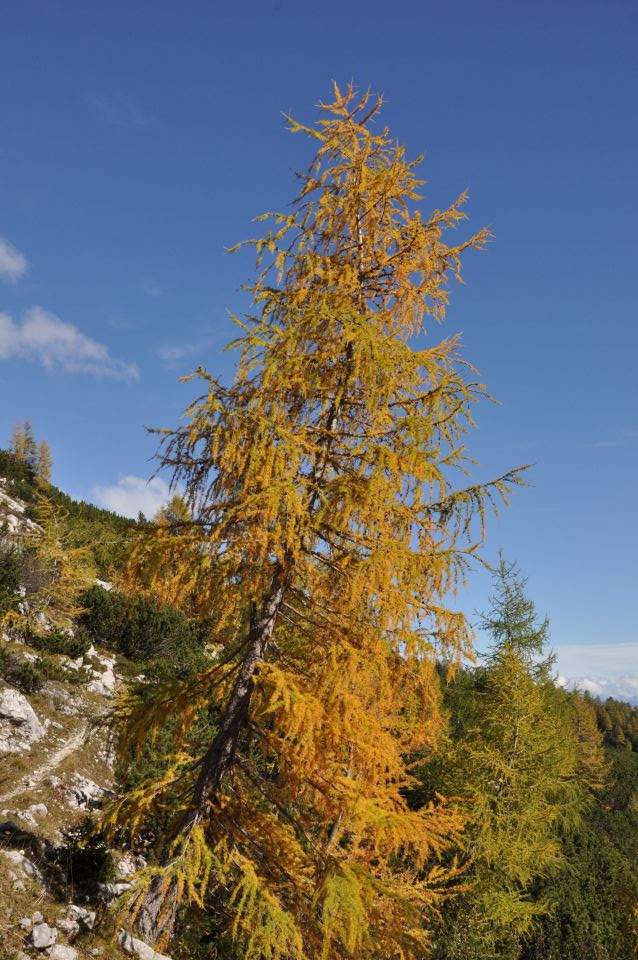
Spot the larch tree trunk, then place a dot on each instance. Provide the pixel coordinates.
(156, 916)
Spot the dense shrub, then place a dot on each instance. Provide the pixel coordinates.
(85, 855)
(9, 578)
(58, 641)
(28, 676)
(20, 476)
(161, 638)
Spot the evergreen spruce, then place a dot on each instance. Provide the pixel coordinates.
(517, 758)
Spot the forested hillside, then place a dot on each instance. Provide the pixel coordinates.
(259, 725)
(103, 532)
(543, 782)
(552, 801)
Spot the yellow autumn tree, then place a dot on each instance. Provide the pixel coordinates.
(326, 533)
(23, 445)
(44, 465)
(55, 571)
(167, 566)
(18, 442)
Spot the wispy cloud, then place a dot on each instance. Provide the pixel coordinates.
(621, 439)
(608, 444)
(45, 339)
(174, 354)
(605, 669)
(624, 688)
(121, 112)
(13, 264)
(131, 494)
(151, 288)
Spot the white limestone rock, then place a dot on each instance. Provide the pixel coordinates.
(27, 817)
(104, 679)
(32, 813)
(62, 951)
(85, 794)
(43, 936)
(70, 664)
(69, 927)
(19, 724)
(138, 948)
(102, 683)
(111, 891)
(22, 864)
(86, 918)
(126, 865)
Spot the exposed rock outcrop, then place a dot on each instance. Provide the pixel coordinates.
(138, 948)
(43, 936)
(19, 724)
(22, 864)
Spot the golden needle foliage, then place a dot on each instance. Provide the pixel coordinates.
(64, 571)
(53, 571)
(326, 536)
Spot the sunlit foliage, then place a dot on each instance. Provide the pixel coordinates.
(325, 533)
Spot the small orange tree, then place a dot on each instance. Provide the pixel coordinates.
(328, 536)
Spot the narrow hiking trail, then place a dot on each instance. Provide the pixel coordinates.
(35, 777)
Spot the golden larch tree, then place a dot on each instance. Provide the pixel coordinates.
(19, 442)
(59, 571)
(45, 462)
(328, 535)
(23, 445)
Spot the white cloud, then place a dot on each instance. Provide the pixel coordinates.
(13, 264)
(624, 688)
(605, 669)
(45, 339)
(130, 495)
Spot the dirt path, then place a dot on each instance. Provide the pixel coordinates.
(34, 777)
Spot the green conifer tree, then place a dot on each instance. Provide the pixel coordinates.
(518, 761)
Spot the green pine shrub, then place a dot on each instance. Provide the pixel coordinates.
(58, 641)
(159, 637)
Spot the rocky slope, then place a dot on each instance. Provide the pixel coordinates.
(57, 883)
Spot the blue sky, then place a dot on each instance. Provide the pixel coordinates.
(138, 140)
